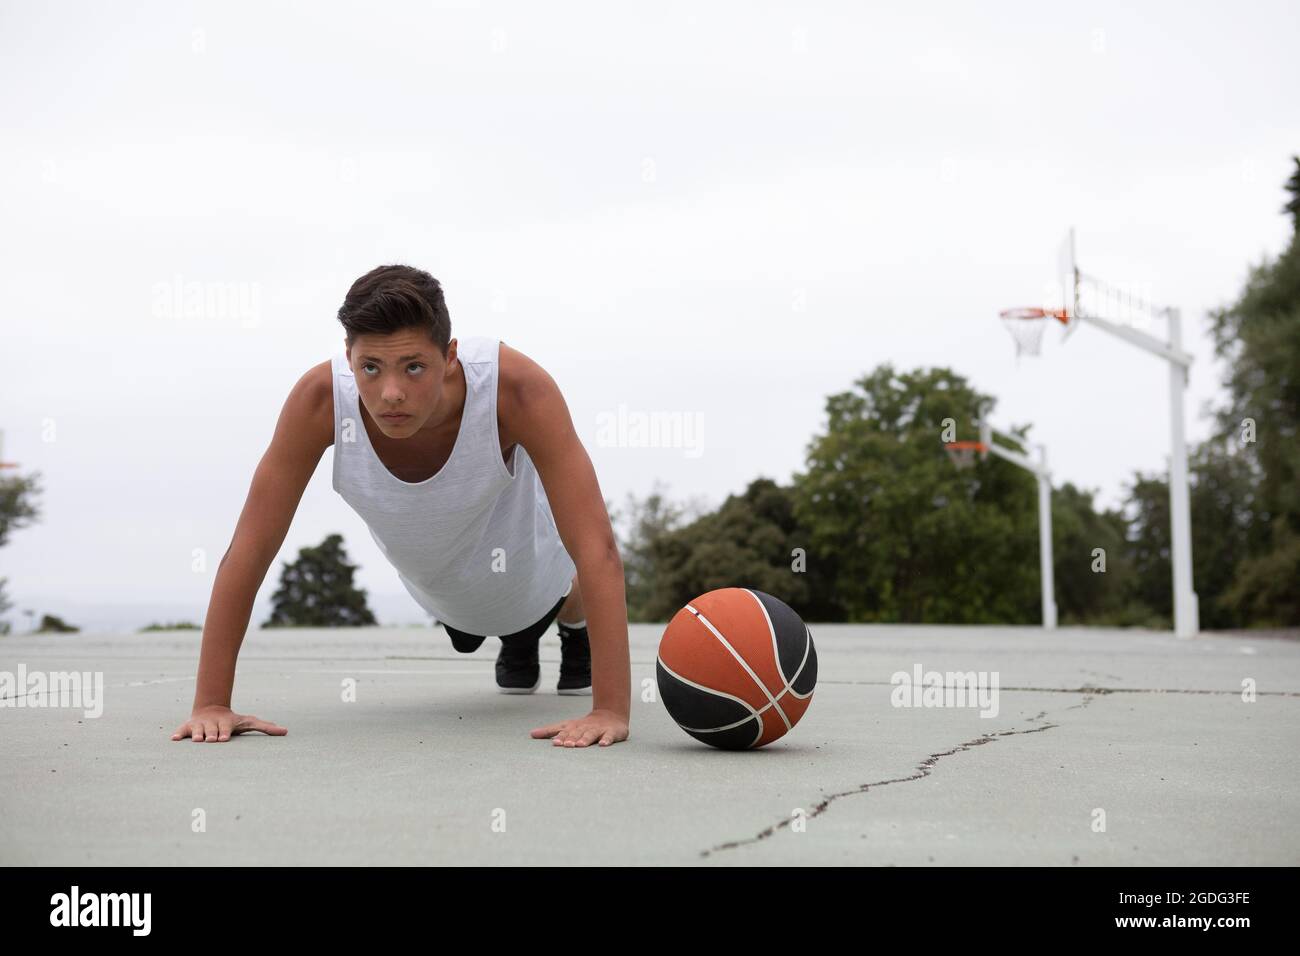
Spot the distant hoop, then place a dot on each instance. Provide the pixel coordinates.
(8, 464)
(1026, 326)
(1032, 312)
(962, 453)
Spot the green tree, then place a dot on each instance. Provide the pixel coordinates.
(643, 522)
(18, 509)
(1150, 581)
(753, 540)
(1085, 595)
(1259, 337)
(1222, 498)
(5, 605)
(1264, 591)
(909, 537)
(1224, 522)
(317, 590)
(50, 624)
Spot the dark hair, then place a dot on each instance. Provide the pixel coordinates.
(388, 298)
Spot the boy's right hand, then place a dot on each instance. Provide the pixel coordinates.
(215, 723)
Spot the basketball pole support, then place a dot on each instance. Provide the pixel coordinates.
(1044, 476)
(1186, 606)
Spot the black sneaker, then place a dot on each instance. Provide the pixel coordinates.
(518, 670)
(575, 662)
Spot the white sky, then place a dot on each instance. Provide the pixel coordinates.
(638, 198)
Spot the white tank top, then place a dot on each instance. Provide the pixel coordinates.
(475, 544)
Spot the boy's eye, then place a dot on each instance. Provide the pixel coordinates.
(369, 368)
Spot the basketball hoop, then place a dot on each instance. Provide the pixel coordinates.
(1026, 326)
(962, 453)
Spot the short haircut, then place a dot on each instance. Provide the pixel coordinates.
(389, 298)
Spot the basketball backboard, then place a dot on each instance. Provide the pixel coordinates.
(1059, 300)
(1067, 271)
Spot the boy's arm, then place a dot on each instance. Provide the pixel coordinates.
(305, 429)
(542, 423)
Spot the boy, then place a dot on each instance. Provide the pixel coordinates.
(463, 461)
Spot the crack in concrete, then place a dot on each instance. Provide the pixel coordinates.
(925, 766)
(923, 770)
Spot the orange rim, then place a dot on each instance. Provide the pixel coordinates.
(1032, 312)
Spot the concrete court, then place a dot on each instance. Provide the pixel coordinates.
(1150, 729)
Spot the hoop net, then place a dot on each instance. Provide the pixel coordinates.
(962, 453)
(1026, 326)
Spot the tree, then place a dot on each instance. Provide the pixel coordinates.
(1085, 593)
(1150, 578)
(1224, 522)
(750, 541)
(909, 537)
(18, 507)
(317, 590)
(1293, 187)
(1222, 498)
(1263, 591)
(1259, 337)
(50, 624)
(5, 605)
(647, 521)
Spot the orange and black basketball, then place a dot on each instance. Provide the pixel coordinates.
(736, 668)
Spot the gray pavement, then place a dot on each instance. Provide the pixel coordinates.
(430, 761)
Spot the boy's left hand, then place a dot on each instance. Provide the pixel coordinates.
(603, 726)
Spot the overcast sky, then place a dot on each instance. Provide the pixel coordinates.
(728, 210)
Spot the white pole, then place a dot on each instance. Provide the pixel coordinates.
(1045, 540)
(1186, 612)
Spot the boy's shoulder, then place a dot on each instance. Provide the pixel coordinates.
(311, 402)
(522, 385)
(519, 375)
(317, 385)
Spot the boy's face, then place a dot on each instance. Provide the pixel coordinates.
(402, 379)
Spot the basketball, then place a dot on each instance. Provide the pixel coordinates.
(736, 668)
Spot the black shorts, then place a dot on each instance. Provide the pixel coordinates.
(533, 631)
